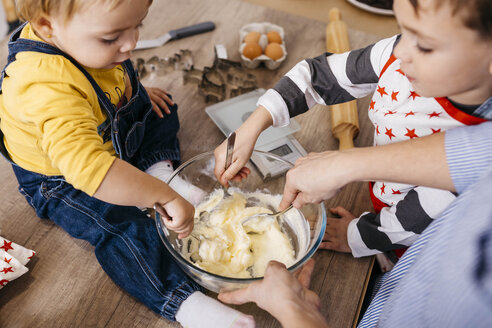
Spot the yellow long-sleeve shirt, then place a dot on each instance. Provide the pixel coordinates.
(49, 115)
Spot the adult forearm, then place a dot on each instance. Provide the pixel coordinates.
(420, 162)
(126, 185)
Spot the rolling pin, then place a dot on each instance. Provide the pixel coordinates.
(344, 117)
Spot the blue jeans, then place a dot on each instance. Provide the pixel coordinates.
(126, 241)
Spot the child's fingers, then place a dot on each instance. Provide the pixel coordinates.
(164, 95)
(330, 232)
(182, 231)
(184, 234)
(219, 164)
(231, 172)
(160, 93)
(326, 245)
(181, 227)
(242, 174)
(245, 171)
(162, 104)
(156, 109)
(340, 211)
(335, 237)
(327, 234)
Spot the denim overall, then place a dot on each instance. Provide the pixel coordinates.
(126, 241)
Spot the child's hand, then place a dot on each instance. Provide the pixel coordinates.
(160, 101)
(179, 216)
(336, 231)
(237, 171)
(246, 136)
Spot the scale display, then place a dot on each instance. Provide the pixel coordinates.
(230, 114)
(283, 150)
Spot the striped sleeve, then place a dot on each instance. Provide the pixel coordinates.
(327, 79)
(469, 153)
(397, 226)
(469, 157)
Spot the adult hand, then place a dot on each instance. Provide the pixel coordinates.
(316, 177)
(319, 176)
(160, 101)
(283, 295)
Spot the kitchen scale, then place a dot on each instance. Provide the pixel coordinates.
(228, 115)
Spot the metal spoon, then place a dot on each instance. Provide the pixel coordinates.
(231, 139)
(265, 215)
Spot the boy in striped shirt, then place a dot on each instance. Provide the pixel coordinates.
(430, 78)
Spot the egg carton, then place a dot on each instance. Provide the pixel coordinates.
(263, 29)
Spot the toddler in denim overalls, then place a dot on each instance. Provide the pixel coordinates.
(131, 128)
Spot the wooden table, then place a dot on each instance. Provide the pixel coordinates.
(66, 287)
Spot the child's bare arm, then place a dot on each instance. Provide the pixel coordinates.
(126, 185)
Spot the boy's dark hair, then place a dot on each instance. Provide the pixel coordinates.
(476, 14)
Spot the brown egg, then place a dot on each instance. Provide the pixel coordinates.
(252, 37)
(274, 37)
(252, 50)
(274, 51)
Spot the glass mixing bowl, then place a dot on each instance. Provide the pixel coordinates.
(305, 231)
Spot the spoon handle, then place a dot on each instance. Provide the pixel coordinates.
(282, 212)
(230, 148)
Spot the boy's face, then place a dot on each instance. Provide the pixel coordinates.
(99, 37)
(440, 56)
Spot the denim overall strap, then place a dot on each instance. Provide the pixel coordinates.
(138, 135)
(17, 45)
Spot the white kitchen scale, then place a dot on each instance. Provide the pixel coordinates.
(228, 115)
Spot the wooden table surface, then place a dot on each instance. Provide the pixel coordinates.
(66, 287)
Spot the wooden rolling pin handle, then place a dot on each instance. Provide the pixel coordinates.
(336, 33)
(334, 15)
(345, 135)
(344, 117)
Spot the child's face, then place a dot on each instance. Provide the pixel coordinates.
(442, 57)
(99, 37)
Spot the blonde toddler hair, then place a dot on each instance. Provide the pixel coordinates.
(30, 10)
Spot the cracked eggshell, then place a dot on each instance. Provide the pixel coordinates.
(262, 28)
